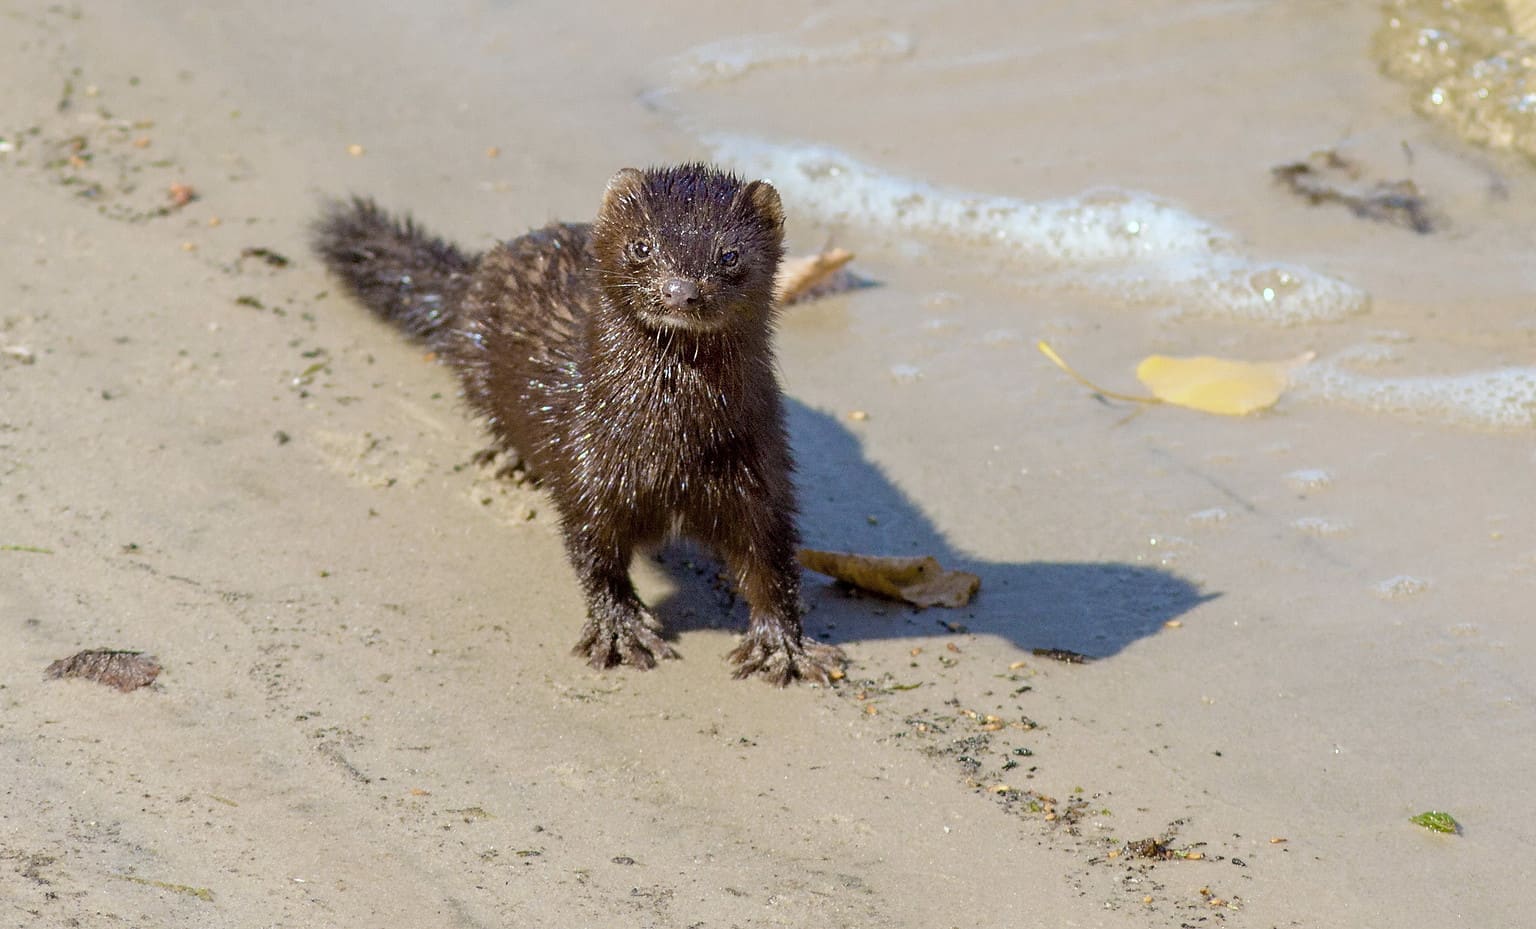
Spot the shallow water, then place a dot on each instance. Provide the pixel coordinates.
(1466, 65)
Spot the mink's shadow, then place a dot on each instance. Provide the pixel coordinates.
(848, 504)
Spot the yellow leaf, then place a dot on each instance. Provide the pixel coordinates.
(1047, 351)
(1217, 385)
(1211, 385)
(918, 581)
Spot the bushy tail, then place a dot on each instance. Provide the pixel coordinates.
(397, 269)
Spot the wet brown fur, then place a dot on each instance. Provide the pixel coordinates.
(642, 417)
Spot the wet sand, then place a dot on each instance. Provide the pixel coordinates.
(1308, 625)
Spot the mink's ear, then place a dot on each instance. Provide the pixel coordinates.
(624, 186)
(764, 201)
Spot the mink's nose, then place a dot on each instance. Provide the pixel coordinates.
(679, 294)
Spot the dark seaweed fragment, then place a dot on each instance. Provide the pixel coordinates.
(1328, 177)
(267, 255)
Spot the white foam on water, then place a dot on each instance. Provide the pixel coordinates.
(1370, 354)
(1501, 398)
(1127, 244)
(1401, 587)
(731, 58)
(1214, 516)
(1320, 525)
(1309, 479)
(1230, 286)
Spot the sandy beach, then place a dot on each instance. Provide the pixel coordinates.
(1303, 627)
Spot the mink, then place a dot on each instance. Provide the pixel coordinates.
(629, 364)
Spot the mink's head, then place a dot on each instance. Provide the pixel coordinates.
(689, 247)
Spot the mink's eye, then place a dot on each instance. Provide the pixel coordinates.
(640, 250)
(729, 257)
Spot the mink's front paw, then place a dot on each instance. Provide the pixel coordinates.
(630, 638)
(779, 657)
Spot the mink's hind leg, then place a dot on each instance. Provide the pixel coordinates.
(619, 629)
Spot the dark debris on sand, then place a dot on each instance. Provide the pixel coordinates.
(116, 668)
(1328, 177)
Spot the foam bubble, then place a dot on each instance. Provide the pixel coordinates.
(1309, 479)
(1214, 516)
(1234, 287)
(1369, 355)
(1168, 549)
(1131, 245)
(1401, 587)
(1320, 525)
(1499, 398)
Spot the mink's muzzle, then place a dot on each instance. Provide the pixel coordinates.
(680, 294)
(680, 301)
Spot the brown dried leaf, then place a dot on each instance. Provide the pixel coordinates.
(804, 276)
(921, 582)
(1062, 654)
(124, 670)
